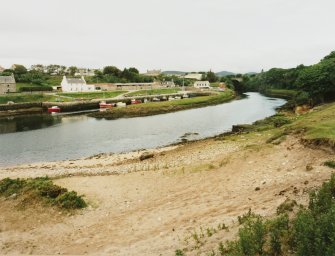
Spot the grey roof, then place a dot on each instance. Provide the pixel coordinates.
(75, 81)
(7, 80)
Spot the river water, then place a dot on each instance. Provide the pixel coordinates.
(47, 138)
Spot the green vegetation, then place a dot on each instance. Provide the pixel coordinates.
(154, 108)
(311, 85)
(308, 232)
(330, 164)
(23, 98)
(91, 95)
(154, 92)
(41, 189)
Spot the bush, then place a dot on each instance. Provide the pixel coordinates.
(44, 189)
(35, 89)
(330, 164)
(70, 200)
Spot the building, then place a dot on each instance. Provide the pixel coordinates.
(85, 72)
(2, 69)
(7, 84)
(154, 72)
(202, 84)
(76, 85)
(194, 76)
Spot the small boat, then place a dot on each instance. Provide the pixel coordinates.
(177, 98)
(133, 101)
(171, 98)
(145, 100)
(121, 104)
(164, 98)
(54, 109)
(103, 104)
(156, 99)
(185, 96)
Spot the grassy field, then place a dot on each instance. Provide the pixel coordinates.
(281, 93)
(154, 92)
(92, 95)
(154, 108)
(24, 98)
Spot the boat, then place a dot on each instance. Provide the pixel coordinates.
(177, 98)
(171, 98)
(133, 101)
(103, 104)
(121, 104)
(164, 98)
(185, 96)
(156, 99)
(54, 109)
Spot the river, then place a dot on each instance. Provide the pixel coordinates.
(42, 138)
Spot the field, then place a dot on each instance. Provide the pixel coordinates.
(154, 108)
(92, 95)
(24, 98)
(154, 92)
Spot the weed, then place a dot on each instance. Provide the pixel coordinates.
(179, 252)
(287, 206)
(41, 188)
(330, 164)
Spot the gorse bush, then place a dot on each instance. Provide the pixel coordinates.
(41, 188)
(311, 232)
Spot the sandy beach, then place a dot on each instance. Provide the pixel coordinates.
(150, 207)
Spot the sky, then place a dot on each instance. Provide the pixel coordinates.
(186, 35)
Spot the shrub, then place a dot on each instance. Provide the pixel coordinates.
(70, 200)
(44, 189)
(286, 206)
(35, 89)
(330, 164)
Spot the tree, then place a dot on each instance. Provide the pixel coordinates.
(20, 70)
(72, 70)
(111, 70)
(211, 77)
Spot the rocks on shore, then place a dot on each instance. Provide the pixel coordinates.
(146, 155)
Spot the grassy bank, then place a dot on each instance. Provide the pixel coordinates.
(154, 92)
(40, 190)
(281, 93)
(24, 98)
(91, 95)
(154, 108)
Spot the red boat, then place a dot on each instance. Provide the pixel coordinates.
(103, 104)
(54, 109)
(133, 101)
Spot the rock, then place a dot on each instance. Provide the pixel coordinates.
(13, 196)
(257, 188)
(241, 128)
(309, 167)
(146, 155)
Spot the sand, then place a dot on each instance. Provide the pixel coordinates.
(150, 207)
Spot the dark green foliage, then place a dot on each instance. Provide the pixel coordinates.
(278, 232)
(330, 164)
(42, 188)
(252, 237)
(179, 253)
(287, 206)
(70, 200)
(35, 89)
(316, 82)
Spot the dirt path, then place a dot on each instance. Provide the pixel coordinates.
(149, 207)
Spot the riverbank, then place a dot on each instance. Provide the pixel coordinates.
(155, 108)
(152, 206)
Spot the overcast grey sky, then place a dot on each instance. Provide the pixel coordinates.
(188, 35)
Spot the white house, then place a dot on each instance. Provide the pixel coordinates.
(76, 85)
(202, 84)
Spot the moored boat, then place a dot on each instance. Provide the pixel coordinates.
(121, 104)
(54, 109)
(103, 104)
(133, 101)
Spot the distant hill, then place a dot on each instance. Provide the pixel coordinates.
(174, 73)
(224, 73)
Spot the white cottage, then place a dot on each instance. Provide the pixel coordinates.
(202, 84)
(76, 85)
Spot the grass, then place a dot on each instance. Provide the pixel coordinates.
(42, 190)
(154, 108)
(27, 97)
(154, 92)
(91, 95)
(330, 164)
(281, 93)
